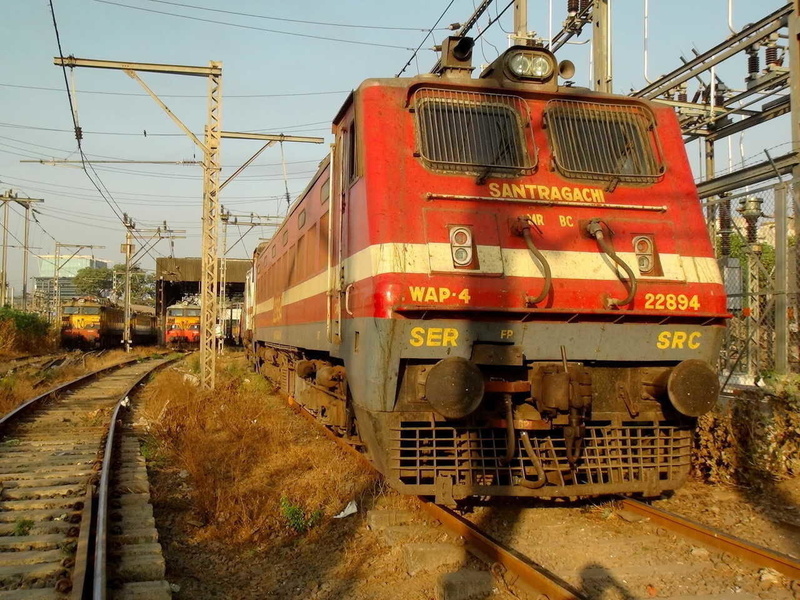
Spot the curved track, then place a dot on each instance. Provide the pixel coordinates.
(49, 463)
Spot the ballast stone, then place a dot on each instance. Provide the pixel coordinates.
(432, 556)
(379, 519)
(144, 590)
(466, 584)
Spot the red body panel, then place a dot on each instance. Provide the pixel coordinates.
(394, 202)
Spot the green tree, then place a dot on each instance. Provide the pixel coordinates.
(143, 285)
(94, 282)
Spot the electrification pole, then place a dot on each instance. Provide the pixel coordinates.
(250, 220)
(5, 198)
(4, 276)
(127, 248)
(601, 46)
(794, 92)
(25, 257)
(56, 287)
(521, 22)
(211, 184)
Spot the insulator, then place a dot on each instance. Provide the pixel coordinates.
(582, 4)
(572, 7)
(719, 99)
(752, 232)
(683, 96)
(772, 55)
(753, 66)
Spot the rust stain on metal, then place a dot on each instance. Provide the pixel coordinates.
(713, 537)
(494, 552)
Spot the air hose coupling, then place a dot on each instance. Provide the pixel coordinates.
(522, 227)
(519, 225)
(595, 228)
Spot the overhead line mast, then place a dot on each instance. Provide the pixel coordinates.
(5, 198)
(211, 184)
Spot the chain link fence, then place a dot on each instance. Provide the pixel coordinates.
(754, 236)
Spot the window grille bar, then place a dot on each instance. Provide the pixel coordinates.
(474, 133)
(606, 142)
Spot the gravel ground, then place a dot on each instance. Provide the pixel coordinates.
(611, 554)
(768, 515)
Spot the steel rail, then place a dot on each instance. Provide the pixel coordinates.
(710, 536)
(25, 361)
(99, 560)
(486, 548)
(539, 579)
(25, 406)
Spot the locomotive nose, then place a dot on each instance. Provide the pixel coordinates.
(454, 387)
(693, 387)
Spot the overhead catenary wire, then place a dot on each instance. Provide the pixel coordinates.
(8, 179)
(115, 208)
(254, 28)
(287, 20)
(142, 95)
(21, 243)
(425, 39)
(494, 20)
(145, 133)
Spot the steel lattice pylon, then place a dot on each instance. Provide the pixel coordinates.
(208, 283)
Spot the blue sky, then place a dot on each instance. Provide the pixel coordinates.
(272, 82)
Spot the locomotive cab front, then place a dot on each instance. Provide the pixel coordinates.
(506, 285)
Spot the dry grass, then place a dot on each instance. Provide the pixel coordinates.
(256, 470)
(8, 339)
(35, 337)
(26, 383)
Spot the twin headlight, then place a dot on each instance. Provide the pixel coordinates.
(529, 64)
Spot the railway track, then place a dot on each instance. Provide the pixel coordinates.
(57, 535)
(42, 361)
(648, 553)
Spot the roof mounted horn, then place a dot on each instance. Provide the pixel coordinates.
(456, 56)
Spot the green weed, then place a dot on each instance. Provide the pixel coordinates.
(22, 527)
(297, 518)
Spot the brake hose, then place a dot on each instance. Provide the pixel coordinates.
(523, 227)
(595, 229)
(532, 484)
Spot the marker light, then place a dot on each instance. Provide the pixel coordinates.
(461, 245)
(644, 248)
(530, 65)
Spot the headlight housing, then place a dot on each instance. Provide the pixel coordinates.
(530, 64)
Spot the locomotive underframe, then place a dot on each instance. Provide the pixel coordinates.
(452, 461)
(631, 439)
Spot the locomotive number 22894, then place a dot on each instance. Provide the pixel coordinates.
(671, 302)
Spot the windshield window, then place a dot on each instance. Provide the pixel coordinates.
(90, 310)
(473, 133)
(71, 310)
(192, 312)
(175, 312)
(610, 142)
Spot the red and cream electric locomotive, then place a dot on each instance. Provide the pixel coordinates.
(502, 285)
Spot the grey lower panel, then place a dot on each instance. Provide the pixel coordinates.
(372, 348)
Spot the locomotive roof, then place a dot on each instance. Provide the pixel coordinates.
(88, 301)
